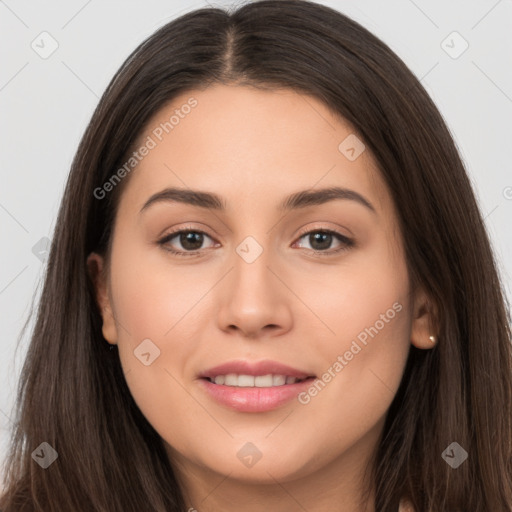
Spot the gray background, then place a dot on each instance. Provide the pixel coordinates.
(47, 102)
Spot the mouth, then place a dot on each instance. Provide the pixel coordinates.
(254, 387)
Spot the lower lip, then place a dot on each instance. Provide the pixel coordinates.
(254, 399)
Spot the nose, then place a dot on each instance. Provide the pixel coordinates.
(253, 301)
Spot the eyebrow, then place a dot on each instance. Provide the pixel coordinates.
(301, 199)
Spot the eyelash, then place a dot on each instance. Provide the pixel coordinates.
(347, 243)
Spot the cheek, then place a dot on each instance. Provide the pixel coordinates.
(156, 312)
(364, 301)
(363, 298)
(155, 299)
(367, 307)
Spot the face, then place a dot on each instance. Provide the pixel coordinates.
(315, 290)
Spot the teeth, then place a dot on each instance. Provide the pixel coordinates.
(231, 379)
(246, 381)
(220, 379)
(264, 381)
(279, 380)
(250, 381)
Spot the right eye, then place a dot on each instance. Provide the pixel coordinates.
(190, 240)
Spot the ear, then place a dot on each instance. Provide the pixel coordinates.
(423, 321)
(96, 269)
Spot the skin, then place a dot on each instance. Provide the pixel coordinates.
(253, 148)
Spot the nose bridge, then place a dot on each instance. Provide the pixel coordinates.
(251, 250)
(251, 261)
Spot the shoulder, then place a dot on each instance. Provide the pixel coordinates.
(405, 506)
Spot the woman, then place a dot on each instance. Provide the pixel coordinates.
(270, 288)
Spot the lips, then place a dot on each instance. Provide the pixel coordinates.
(254, 387)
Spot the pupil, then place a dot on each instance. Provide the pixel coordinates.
(189, 239)
(323, 238)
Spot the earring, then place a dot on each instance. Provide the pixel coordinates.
(432, 339)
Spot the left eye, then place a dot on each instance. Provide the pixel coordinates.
(322, 239)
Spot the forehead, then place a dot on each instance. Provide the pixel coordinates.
(242, 142)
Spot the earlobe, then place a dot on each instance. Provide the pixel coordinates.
(96, 270)
(423, 330)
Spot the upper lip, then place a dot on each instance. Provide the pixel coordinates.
(241, 367)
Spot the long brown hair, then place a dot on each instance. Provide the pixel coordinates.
(72, 393)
